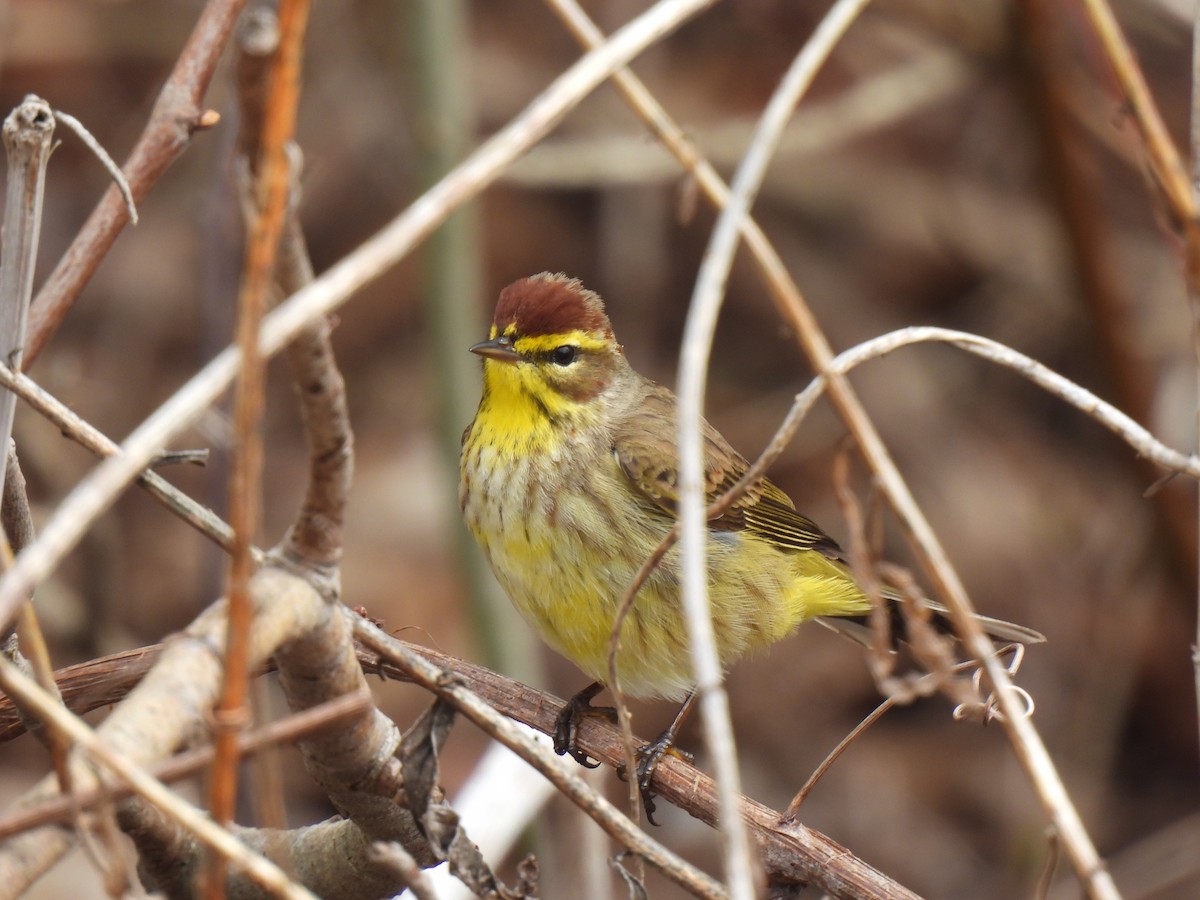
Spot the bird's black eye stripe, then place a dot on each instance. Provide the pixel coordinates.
(564, 355)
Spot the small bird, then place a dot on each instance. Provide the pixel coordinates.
(568, 480)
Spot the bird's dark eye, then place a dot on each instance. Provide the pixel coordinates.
(564, 355)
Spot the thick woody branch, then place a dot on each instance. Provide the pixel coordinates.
(168, 708)
(792, 854)
(188, 763)
(93, 750)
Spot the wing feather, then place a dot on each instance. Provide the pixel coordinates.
(646, 456)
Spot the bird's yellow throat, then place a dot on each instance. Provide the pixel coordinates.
(521, 412)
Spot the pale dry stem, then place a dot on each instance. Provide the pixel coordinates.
(693, 366)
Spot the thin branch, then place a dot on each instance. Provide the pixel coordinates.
(98, 151)
(169, 707)
(315, 539)
(89, 685)
(1165, 162)
(801, 795)
(93, 440)
(245, 484)
(28, 141)
(881, 99)
(176, 116)
(28, 640)
(1194, 298)
(17, 523)
(693, 365)
(1105, 414)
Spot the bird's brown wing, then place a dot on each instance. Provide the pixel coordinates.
(645, 452)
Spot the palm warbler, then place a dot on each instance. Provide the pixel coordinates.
(568, 482)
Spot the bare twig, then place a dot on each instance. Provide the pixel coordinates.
(1165, 162)
(693, 365)
(114, 171)
(176, 116)
(91, 439)
(17, 522)
(314, 540)
(90, 685)
(36, 657)
(1194, 294)
(880, 99)
(282, 98)
(28, 140)
(872, 717)
(1108, 416)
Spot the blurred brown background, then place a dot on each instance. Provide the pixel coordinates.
(930, 178)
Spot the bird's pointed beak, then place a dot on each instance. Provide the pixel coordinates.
(499, 349)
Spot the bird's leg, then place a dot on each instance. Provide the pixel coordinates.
(566, 726)
(651, 755)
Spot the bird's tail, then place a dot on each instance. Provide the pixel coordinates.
(858, 628)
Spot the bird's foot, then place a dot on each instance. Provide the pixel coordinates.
(648, 757)
(566, 726)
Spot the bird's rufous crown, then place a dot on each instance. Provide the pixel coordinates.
(549, 303)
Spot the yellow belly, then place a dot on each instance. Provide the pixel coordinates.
(566, 567)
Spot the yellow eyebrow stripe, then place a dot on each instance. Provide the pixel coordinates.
(544, 343)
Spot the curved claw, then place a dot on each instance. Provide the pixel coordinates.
(648, 758)
(566, 725)
(582, 758)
